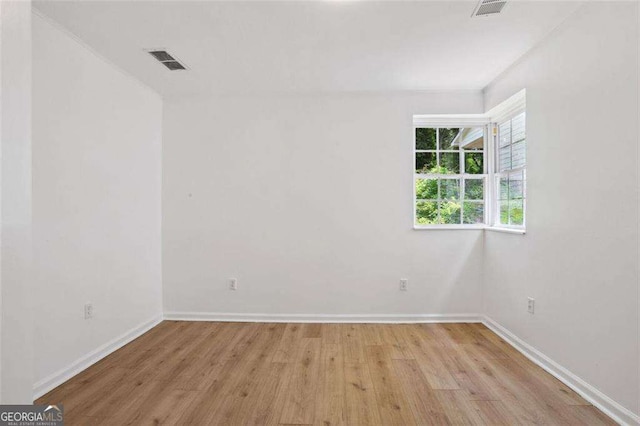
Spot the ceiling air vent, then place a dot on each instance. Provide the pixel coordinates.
(167, 60)
(488, 7)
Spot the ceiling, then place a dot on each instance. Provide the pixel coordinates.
(239, 47)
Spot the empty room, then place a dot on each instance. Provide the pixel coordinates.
(322, 212)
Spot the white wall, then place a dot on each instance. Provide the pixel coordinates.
(579, 258)
(15, 181)
(306, 200)
(96, 199)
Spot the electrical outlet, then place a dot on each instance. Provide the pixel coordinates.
(88, 311)
(404, 284)
(233, 284)
(531, 305)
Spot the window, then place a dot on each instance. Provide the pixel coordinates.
(449, 176)
(469, 171)
(510, 175)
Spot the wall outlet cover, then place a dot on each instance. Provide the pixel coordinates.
(531, 305)
(404, 284)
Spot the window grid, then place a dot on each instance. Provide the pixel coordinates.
(510, 205)
(462, 178)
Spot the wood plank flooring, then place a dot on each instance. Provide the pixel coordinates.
(205, 373)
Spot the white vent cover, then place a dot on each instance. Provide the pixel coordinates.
(488, 7)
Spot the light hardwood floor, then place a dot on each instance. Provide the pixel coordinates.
(205, 373)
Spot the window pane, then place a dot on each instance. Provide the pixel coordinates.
(474, 189)
(473, 212)
(519, 153)
(426, 213)
(426, 162)
(425, 138)
(471, 138)
(447, 137)
(449, 189)
(504, 131)
(473, 163)
(516, 186)
(449, 163)
(504, 212)
(503, 192)
(518, 127)
(504, 159)
(449, 212)
(426, 189)
(516, 212)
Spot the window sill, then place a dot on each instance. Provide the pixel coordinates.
(470, 228)
(506, 230)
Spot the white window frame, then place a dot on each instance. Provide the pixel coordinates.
(504, 111)
(461, 121)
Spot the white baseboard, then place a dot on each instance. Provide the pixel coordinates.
(322, 318)
(607, 405)
(56, 379)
